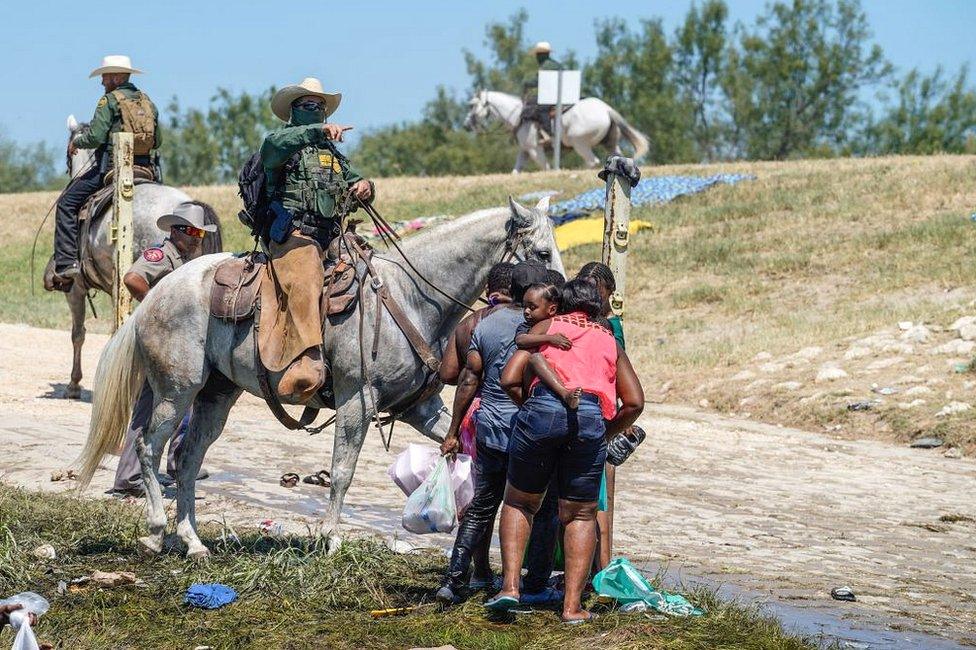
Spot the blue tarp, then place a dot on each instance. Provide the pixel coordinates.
(658, 189)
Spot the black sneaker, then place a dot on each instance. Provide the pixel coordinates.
(447, 596)
(623, 445)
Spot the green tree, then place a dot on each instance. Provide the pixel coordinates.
(932, 115)
(26, 168)
(798, 75)
(699, 57)
(202, 148)
(634, 73)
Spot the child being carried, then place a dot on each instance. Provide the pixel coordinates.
(541, 302)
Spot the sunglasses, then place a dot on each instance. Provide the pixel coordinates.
(309, 105)
(190, 231)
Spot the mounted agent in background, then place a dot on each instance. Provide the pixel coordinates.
(84, 258)
(588, 123)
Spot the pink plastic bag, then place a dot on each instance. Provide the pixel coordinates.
(469, 430)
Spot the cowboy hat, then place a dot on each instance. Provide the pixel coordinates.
(185, 214)
(281, 102)
(115, 63)
(541, 46)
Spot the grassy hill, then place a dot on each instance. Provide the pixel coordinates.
(743, 297)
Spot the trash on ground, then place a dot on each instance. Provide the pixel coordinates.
(621, 581)
(106, 579)
(45, 552)
(884, 390)
(432, 508)
(961, 367)
(843, 593)
(926, 443)
(209, 596)
(865, 405)
(63, 474)
(271, 528)
(399, 611)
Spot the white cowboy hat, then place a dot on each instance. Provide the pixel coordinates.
(541, 46)
(281, 102)
(114, 63)
(185, 214)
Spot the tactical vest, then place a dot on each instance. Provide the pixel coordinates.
(139, 119)
(314, 180)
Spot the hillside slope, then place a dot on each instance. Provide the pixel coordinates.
(743, 295)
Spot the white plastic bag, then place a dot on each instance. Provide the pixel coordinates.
(415, 463)
(412, 466)
(462, 479)
(432, 507)
(20, 619)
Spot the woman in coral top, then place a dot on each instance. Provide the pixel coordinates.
(553, 440)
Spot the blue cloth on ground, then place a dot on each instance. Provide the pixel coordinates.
(622, 581)
(657, 189)
(209, 596)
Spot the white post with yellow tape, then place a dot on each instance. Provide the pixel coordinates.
(616, 235)
(122, 147)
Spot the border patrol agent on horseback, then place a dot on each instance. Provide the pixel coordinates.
(123, 107)
(309, 184)
(531, 111)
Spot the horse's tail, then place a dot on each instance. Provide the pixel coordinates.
(639, 141)
(214, 241)
(118, 380)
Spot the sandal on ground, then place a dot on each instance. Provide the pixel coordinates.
(501, 603)
(322, 478)
(590, 617)
(289, 480)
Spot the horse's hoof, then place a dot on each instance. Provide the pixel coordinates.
(151, 545)
(198, 554)
(332, 544)
(73, 391)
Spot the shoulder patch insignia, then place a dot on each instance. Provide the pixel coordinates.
(103, 101)
(153, 254)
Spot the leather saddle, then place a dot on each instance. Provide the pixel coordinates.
(237, 282)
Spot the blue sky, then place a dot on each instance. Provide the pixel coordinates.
(386, 57)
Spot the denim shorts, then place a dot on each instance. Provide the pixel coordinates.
(550, 439)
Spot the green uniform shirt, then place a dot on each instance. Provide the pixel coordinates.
(312, 184)
(108, 120)
(530, 89)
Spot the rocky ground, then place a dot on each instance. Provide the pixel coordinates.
(913, 381)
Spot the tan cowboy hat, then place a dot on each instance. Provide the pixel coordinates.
(541, 46)
(281, 102)
(114, 63)
(185, 214)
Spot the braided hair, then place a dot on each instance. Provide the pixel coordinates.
(500, 278)
(598, 272)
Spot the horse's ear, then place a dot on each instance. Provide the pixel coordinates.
(72, 123)
(523, 216)
(543, 205)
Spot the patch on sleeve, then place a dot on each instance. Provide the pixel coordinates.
(103, 101)
(153, 255)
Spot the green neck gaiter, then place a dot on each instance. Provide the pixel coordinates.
(301, 117)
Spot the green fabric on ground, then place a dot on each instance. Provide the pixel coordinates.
(621, 581)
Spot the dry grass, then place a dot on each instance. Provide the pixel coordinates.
(811, 253)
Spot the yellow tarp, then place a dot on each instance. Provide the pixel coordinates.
(589, 231)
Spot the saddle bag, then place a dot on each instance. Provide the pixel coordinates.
(235, 288)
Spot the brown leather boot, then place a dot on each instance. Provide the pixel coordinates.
(303, 377)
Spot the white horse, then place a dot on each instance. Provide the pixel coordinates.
(588, 123)
(189, 357)
(150, 202)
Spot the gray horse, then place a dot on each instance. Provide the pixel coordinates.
(149, 203)
(191, 358)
